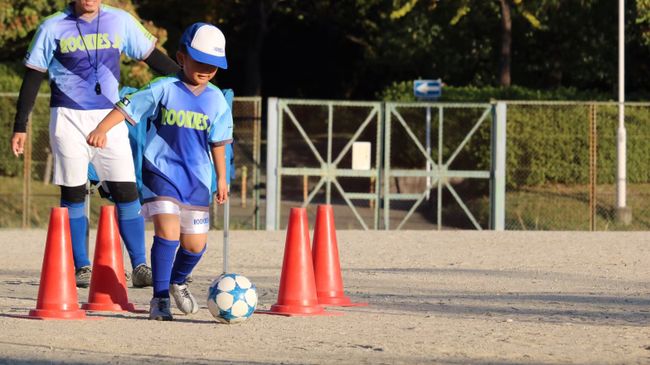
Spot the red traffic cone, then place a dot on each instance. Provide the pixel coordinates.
(108, 283)
(297, 293)
(57, 292)
(327, 270)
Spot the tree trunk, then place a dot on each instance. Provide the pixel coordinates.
(253, 79)
(506, 44)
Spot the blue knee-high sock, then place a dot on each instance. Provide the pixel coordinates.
(184, 264)
(162, 260)
(78, 230)
(131, 225)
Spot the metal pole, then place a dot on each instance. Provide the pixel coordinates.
(623, 214)
(226, 233)
(330, 122)
(428, 137)
(87, 213)
(271, 164)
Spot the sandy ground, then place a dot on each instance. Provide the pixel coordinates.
(454, 297)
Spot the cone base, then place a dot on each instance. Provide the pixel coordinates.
(56, 314)
(109, 307)
(297, 310)
(341, 301)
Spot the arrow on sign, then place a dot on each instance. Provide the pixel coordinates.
(427, 88)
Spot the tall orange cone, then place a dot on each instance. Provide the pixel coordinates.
(297, 293)
(327, 270)
(57, 292)
(108, 283)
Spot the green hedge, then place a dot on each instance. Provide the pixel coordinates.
(546, 144)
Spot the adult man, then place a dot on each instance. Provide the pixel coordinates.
(80, 48)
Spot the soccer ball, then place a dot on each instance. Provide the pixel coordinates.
(232, 298)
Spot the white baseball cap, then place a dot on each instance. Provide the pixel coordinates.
(205, 43)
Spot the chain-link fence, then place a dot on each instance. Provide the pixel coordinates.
(26, 194)
(561, 166)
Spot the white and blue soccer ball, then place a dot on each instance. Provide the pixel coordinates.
(232, 298)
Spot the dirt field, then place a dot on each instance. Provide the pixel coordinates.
(450, 297)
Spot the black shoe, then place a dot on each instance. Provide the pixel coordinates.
(142, 276)
(82, 275)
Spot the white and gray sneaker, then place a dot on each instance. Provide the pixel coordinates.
(160, 309)
(184, 299)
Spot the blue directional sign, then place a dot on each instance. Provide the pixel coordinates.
(427, 89)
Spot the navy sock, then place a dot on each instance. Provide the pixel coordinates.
(184, 264)
(131, 225)
(78, 231)
(162, 260)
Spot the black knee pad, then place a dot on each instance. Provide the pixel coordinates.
(74, 194)
(123, 191)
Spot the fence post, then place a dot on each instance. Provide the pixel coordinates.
(271, 164)
(257, 146)
(244, 181)
(498, 173)
(593, 162)
(27, 173)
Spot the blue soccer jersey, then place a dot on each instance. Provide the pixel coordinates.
(182, 126)
(69, 48)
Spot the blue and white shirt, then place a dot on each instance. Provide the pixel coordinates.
(58, 48)
(182, 126)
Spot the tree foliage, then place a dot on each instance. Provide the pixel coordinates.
(356, 48)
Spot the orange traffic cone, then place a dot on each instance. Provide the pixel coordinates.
(108, 283)
(297, 293)
(57, 292)
(327, 270)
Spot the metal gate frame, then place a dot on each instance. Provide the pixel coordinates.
(439, 171)
(328, 171)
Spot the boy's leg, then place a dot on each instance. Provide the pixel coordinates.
(192, 248)
(165, 243)
(71, 156)
(114, 164)
(131, 224)
(194, 228)
(73, 198)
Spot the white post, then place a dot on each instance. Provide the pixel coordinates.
(623, 214)
(498, 179)
(271, 163)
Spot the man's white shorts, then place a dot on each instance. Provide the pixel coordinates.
(68, 131)
(192, 221)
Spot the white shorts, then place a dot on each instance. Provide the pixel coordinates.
(192, 221)
(68, 131)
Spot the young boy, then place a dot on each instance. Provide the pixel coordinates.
(187, 117)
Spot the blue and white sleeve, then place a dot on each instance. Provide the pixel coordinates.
(140, 105)
(220, 132)
(138, 42)
(41, 50)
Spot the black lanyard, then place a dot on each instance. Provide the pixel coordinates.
(98, 87)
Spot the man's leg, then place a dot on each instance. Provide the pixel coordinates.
(131, 224)
(73, 198)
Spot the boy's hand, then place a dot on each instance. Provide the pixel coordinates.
(18, 143)
(97, 139)
(222, 191)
